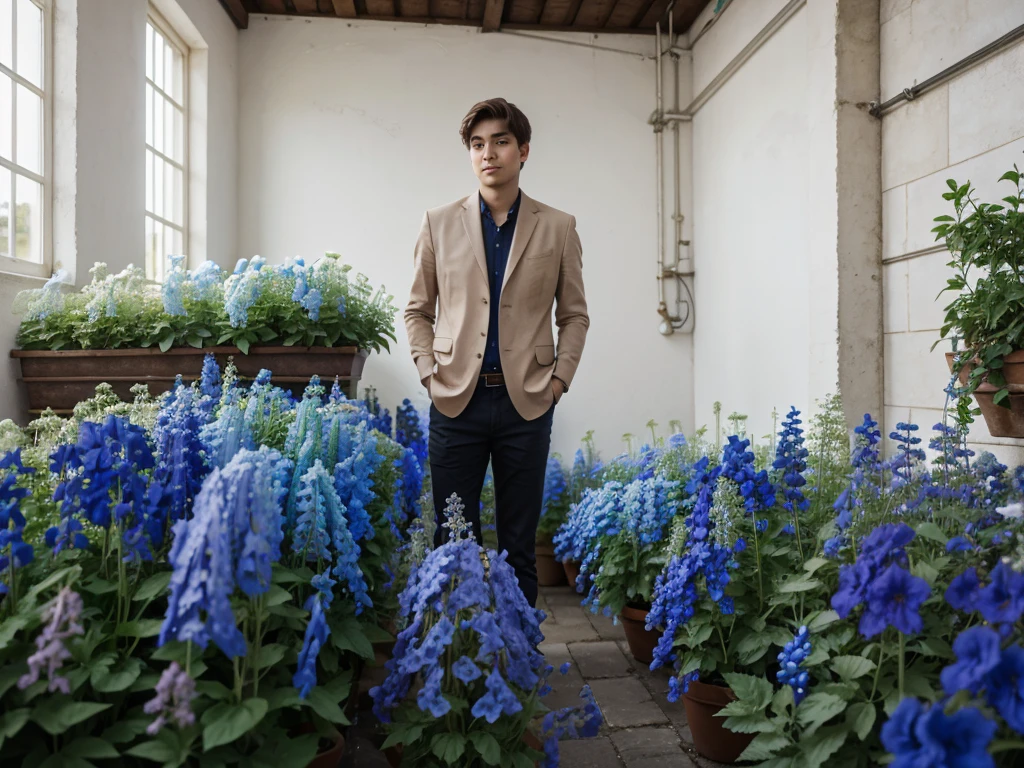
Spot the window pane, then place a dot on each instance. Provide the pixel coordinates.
(6, 116)
(158, 60)
(173, 194)
(149, 114)
(5, 211)
(159, 123)
(29, 52)
(149, 181)
(29, 152)
(159, 252)
(149, 247)
(7, 33)
(158, 188)
(28, 196)
(174, 135)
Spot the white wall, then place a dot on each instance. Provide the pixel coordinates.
(99, 140)
(969, 128)
(349, 131)
(753, 183)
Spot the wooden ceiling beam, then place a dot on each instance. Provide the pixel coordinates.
(344, 9)
(237, 12)
(492, 15)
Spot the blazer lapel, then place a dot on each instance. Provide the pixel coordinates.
(525, 225)
(475, 230)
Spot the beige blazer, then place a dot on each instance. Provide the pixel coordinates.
(448, 312)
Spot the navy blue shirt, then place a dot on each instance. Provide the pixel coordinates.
(497, 243)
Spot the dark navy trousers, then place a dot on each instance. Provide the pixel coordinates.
(490, 428)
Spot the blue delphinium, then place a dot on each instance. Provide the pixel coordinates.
(908, 455)
(173, 289)
(242, 289)
(917, 735)
(866, 468)
(317, 632)
(358, 459)
(977, 654)
(231, 540)
(322, 533)
(791, 658)
(14, 551)
(555, 484)
(791, 461)
(229, 432)
(210, 385)
(450, 595)
(409, 432)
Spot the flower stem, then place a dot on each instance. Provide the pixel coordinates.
(874, 685)
(757, 554)
(902, 662)
(721, 637)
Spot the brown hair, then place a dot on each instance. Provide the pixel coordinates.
(496, 109)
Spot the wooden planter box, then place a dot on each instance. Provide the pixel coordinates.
(61, 379)
(1001, 422)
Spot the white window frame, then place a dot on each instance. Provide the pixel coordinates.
(155, 18)
(11, 264)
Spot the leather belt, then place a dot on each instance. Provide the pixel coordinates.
(493, 379)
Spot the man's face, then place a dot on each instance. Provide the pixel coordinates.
(495, 154)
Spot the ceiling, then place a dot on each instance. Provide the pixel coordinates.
(595, 16)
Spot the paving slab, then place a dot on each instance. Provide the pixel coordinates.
(567, 633)
(650, 747)
(561, 596)
(588, 753)
(703, 762)
(605, 628)
(625, 702)
(600, 659)
(570, 615)
(565, 689)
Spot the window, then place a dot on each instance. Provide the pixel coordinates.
(24, 137)
(166, 145)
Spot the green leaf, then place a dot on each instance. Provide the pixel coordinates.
(822, 620)
(13, 721)
(243, 345)
(90, 746)
(750, 688)
(153, 586)
(224, 723)
(156, 750)
(298, 751)
(929, 530)
(764, 746)
(755, 723)
(166, 342)
(799, 584)
(448, 747)
(60, 761)
(326, 706)
(852, 667)
(270, 654)
(347, 635)
(821, 746)
(1002, 397)
(814, 564)
(277, 595)
(142, 628)
(861, 718)
(487, 746)
(58, 713)
(214, 689)
(125, 730)
(106, 680)
(817, 709)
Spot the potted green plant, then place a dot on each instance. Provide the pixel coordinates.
(987, 314)
(294, 319)
(554, 507)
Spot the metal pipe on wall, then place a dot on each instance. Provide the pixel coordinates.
(659, 152)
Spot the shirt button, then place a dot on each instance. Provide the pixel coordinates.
(479, 355)
(482, 333)
(485, 301)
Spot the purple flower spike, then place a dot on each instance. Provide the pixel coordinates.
(173, 700)
(63, 615)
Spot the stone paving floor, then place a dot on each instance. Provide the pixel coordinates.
(641, 728)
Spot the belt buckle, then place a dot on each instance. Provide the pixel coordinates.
(489, 376)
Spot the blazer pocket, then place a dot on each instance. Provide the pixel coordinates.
(442, 346)
(542, 255)
(545, 354)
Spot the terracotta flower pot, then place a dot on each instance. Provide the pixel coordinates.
(641, 640)
(549, 571)
(327, 758)
(63, 378)
(1001, 422)
(572, 570)
(710, 736)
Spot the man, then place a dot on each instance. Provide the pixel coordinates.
(492, 265)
